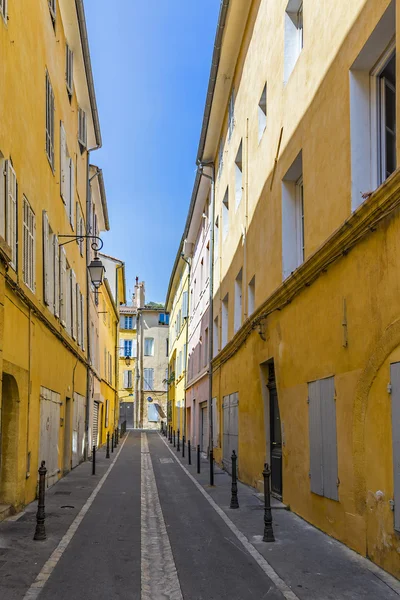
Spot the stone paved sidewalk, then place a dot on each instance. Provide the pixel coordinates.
(314, 565)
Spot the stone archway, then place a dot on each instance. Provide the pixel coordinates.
(9, 441)
(389, 341)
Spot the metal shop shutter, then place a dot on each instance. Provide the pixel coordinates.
(49, 433)
(231, 428)
(323, 439)
(395, 399)
(95, 423)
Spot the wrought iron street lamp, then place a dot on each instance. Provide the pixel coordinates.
(96, 268)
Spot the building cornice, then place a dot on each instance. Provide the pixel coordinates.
(362, 222)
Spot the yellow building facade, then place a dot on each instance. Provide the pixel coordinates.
(177, 305)
(44, 286)
(127, 363)
(301, 146)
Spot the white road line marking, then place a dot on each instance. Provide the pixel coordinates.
(49, 566)
(159, 577)
(260, 560)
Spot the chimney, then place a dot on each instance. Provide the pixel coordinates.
(139, 295)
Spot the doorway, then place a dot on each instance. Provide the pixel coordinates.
(275, 433)
(9, 440)
(67, 436)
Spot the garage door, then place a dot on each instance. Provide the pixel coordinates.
(49, 432)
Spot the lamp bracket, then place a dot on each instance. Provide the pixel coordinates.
(96, 245)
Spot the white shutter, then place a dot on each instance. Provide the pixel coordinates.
(63, 286)
(126, 379)
(56, 277)
(11, 212)
(68, 301)
(3, 198)
(134, 349)
(73, 304)
(82, 303)
(72, 193)
(121, 349)
(64, 164)
(78, 313)
(46, 259)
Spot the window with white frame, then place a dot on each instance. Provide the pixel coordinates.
(237, 321)
(127, 348)
(251, 296)
(128, 379)
(148, 376)
(372, 109)
(293, 233)
(11, 211)
(225, 321)
(49, 121)
(69, 70)
(225, 215)
(29, 239)
(293, 35)
(127, 322)
(262, 113)
(239, 175)
(149, 346)
(231, 114)
(53, 9)
(82, 128)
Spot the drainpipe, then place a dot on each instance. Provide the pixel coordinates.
(187, 339)
(211, 314)
(89, 349)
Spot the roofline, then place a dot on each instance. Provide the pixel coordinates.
(88, 68)
(213, 77)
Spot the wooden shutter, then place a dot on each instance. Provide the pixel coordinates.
(63, 287)
(121, 349)
(56, 267)
(72, 193)
(73, 305)
(126, 379)
(329, 439)
(395, 400)
(78, 314)
(46, 259)
(315, 438)
(82, 302)
(134, 349)
(185, 305)
(11, 211)
(64, 166)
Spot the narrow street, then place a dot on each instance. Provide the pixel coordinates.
(152, 528)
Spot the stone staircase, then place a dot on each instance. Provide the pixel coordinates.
(5, 511)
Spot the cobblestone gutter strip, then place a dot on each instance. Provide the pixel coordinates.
(50, 565)
(159, 575)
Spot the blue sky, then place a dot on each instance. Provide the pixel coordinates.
(151, 63)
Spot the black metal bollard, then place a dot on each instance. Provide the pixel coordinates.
(40, 531)
(211, 467)
(268, 531)
(112, 442)
(174, 439)
(183, 446)
(108, 445)
(178, 447)
(198, 458)
(234, 496)
(189, 453)
(94, 461)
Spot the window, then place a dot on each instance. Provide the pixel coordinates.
(323, 442)
(11, 212)
(29, 237)
(148, 383)
(238, 302)
(239, 176)
(215, 336)
(163, 319)
(82, 128)
(80, 316)
(372, 109)
(68, 299)
(225, 317)
(63, 287)
(67, 178)
(53, 9)
(220, 157)
(205, 353)
(3, 9)
(293, 218)
(225, 215)
(231, 114)
(49, 121)
(262, 113)
(293, 35)
(128, 348)
(149, 346)
(152, 412)
(69, 70)
(251, 296)
(185, 307)
(128, 322)
(51, 268)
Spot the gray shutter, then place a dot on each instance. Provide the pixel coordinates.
(315, 435)
(329, 440)
(46, 259)
(395, 399)
(122, 322)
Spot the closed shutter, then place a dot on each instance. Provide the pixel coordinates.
(82, 306)
(315, 435)
(78, 313)
(46, 259)
(122, 322)
(3, 198)
(64, 166)
(231, 428)
(185, 305)
(95, 423)
(126, 379)
(395, 400)
(215, 422)
(68, 301)
(63, 286)
(121, 349)
(134, 349)
(72, 193)
(130, 379)
(11, 212)
(73, 305)
(56, 268)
